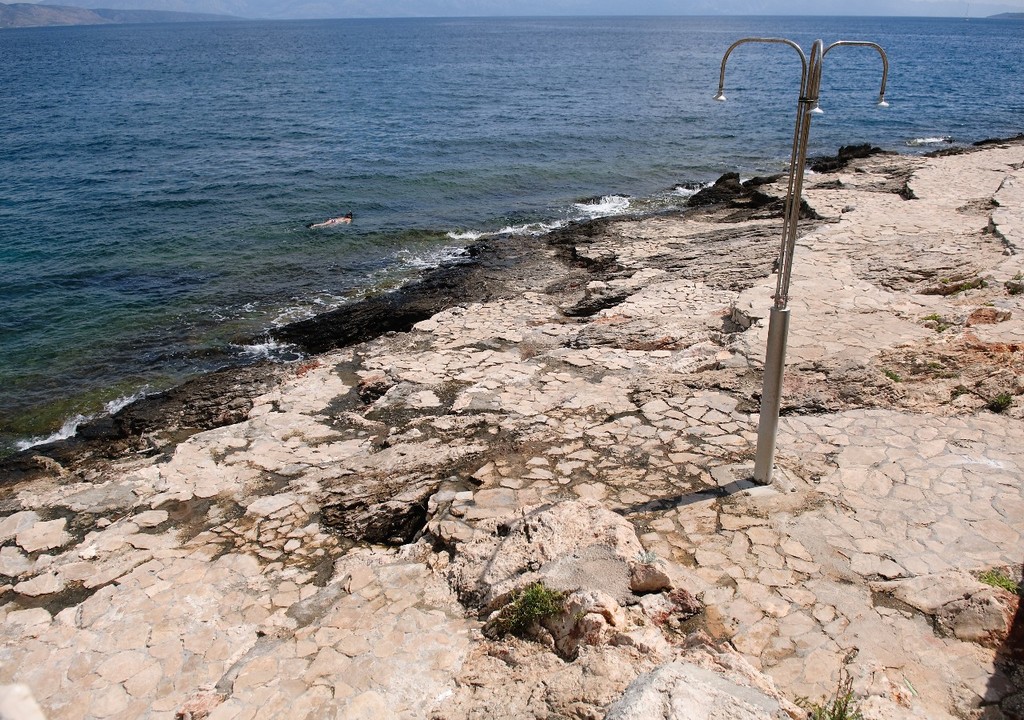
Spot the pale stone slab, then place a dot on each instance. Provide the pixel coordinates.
(45, 584)
(13, 562)
(270, 504)
(12, 525)
(44, 535)
(150, 518)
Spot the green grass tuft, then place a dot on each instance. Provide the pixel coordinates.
(892, 375)
(937, 322)
(997, 578)
(527, 606)
(1000, 402)
(958, 391)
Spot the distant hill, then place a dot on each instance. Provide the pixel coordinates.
(16, 15)
(1008, 16)
(159, 16)
(27, 15)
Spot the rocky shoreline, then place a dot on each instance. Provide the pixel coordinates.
(350, 536)
(493, 267)
(225, 396)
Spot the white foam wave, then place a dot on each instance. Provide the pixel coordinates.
(67, 430)
(267, 350)
(468, 236)
(70, 426)
(304, 308)
(937, 140)
(537, 228)
(124, 401)
(687, 192)
(607, 205)
(423, 259)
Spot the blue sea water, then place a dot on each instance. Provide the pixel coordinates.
(156, 180)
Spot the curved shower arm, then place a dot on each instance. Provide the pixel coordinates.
(782, 41)
(881, 52)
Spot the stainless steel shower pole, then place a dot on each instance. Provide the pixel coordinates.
(778, 322)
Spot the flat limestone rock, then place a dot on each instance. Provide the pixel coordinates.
(929, 593)
(682, 691)
(45, 584)
(44, 536)
(13, 562)
(150, 518)
(11, 525)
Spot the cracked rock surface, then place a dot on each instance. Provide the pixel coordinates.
(335, 545)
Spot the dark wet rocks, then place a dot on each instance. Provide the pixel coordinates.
(151, 424)
(494, 267)
(744, 201)
(728, 189)
(846, 154)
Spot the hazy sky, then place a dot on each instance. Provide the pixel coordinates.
(463, 8)
(384, 8)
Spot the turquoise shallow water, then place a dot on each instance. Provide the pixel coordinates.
(156, 181)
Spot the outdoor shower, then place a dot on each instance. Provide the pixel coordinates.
(778, 324)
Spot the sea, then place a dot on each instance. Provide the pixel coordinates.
(156, 181)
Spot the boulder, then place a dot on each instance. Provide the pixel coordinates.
(984, 617)
(648, 578)
(726, 188)
(961, 605)
(573, 545)
(845, 155)
(591, 617)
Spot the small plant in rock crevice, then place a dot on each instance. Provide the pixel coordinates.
(936, 322)
(1000, 402)
(647, 557)
(841, 706)
(999, 579)
(528, 606)
(892, 375)
(1015, 285)
(958, 391)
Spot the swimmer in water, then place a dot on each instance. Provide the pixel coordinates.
(343, 220)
